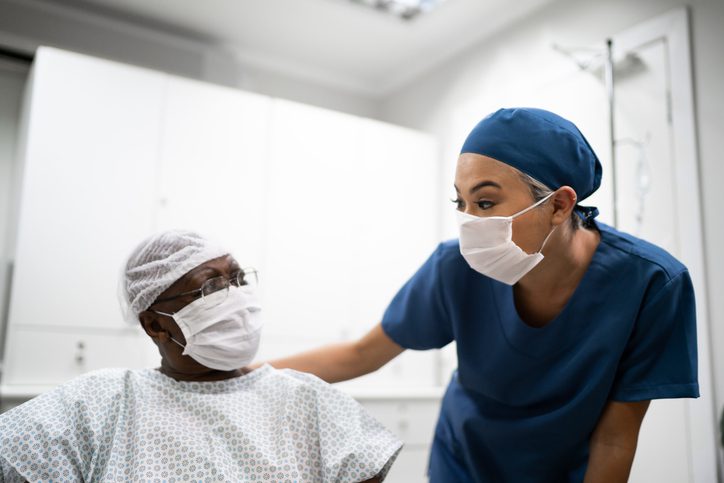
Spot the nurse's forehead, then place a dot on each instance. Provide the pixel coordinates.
(476, 171)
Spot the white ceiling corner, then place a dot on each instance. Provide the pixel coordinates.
(329, 42)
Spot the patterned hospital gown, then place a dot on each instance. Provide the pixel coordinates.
(140, 425)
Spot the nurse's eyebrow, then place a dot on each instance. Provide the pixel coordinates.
(484, 184)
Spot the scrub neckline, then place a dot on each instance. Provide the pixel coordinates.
(530, 340)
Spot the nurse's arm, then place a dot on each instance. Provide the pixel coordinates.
(613, 442)
(345, 360)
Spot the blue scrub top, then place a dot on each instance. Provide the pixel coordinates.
(524, 401)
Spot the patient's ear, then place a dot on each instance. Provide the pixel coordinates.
(153, 326)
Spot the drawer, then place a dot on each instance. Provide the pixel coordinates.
(409, 369)
(413, 421)
(410, 465)
(49, 356)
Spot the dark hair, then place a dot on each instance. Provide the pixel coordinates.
(539, 191)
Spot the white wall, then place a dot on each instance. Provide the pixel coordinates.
(510, 68)
(26, 24)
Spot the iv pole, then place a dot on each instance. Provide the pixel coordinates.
(609, 81)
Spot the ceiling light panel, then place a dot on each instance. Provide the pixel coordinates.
(404, 9)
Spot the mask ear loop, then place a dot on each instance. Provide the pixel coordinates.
(537, 203)
(169, 315)
(554, 228)
(178, 343)
(547, 238)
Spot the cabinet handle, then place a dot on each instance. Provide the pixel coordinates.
(79, 357)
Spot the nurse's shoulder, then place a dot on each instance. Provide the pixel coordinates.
(448, 258)
(651, 263)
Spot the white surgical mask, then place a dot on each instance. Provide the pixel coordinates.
(221, 335)
(487, 245)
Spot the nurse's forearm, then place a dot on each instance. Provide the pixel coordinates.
(613, 443)
(345, 360)
(332, 363)
(609, 464)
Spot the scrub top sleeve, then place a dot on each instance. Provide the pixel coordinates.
(660, 359)
(416, 318)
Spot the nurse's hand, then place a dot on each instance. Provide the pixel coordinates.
(613, 442)
(345, 360)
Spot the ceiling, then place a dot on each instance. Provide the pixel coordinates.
(334, 42)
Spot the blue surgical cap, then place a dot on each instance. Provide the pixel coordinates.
(542, 145)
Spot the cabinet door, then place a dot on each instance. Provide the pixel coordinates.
(410, 466)
(351, 215)
(213, 159)
(90, 173)
(312, 211)
(46, 356)
(413, 421)
(395, 227)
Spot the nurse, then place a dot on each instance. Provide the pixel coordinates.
(566, 329)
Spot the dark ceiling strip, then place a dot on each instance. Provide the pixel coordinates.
(16, 55)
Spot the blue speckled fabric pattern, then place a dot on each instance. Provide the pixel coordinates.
(140, 425)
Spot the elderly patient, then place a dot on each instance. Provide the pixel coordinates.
(202, 415)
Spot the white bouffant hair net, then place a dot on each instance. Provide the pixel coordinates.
(156, 263)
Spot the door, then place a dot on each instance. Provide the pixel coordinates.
(657, 186)
(647, 197)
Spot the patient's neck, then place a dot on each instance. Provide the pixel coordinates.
(200, 375)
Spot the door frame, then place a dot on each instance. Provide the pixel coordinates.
(673, 28)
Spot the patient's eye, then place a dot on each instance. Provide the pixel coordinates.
(237, 278)
(213, 285)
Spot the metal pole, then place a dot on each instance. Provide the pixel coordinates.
(609, 81)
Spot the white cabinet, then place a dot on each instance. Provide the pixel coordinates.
(335, 211)
(413, 420)
(89, 181)
(410, 466)
(47, 356)
(213, 157)
(314, 164)
(395, 223)
(351, 204)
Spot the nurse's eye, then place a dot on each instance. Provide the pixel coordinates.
(485, 204)
(458, 203)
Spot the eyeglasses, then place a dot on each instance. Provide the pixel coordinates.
(244, 277)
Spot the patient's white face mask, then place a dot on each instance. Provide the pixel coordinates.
(223, 336)
(487, 245)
